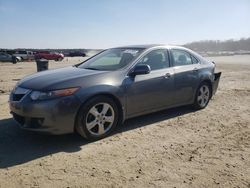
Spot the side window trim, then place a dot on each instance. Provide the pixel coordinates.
(192, 56)
(169, 58)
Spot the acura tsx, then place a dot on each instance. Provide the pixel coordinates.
(93, 97)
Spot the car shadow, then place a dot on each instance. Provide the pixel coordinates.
(148, 119)
(19, 147)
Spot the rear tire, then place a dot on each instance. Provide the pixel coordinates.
(203, 96)
(97, 118)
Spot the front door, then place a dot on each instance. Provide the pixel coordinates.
(151, 91)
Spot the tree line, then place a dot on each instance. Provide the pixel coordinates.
(218, 46)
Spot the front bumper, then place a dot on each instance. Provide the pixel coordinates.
(55, 116)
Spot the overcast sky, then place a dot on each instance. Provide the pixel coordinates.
(110, 23)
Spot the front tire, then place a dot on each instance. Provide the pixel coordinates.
(203, 95)
(97, 118)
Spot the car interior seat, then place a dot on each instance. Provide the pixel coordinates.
(155, 61)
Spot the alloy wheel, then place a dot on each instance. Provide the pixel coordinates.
(203, 96)
(100, 119)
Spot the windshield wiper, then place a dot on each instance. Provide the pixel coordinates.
(91, 68)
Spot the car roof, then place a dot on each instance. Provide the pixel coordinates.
(145, 46)
(148, 46)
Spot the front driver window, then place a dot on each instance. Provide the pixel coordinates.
(156, 59)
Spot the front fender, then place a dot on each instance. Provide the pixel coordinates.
(86, 93)
(116, 93)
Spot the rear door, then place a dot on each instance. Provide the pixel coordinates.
(186, 79)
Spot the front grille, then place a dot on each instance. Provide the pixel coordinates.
(19, 119)
(28, 122)
(18, 93)
(17, 97)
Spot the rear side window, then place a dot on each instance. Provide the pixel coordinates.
(181, 57)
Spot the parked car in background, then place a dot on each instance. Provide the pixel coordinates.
(11, 52)
(24, 55)
(49, 55)
(4, 57)
(93, 97)
(76, 54)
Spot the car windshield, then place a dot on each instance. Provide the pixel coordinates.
(112, 59)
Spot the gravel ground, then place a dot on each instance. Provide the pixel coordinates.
(171, 148)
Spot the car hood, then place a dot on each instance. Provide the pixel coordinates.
(57, 78)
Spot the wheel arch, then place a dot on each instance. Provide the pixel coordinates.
(106, 94)
(209, 82)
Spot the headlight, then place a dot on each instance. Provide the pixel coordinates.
(38, 95)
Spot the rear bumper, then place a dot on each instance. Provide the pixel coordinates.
(216, 81)
(55, 116)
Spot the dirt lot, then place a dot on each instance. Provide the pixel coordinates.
(172, 148)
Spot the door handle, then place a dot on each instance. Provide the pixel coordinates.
(195, 69)
(167, 75)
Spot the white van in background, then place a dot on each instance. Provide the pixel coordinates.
(24, 55)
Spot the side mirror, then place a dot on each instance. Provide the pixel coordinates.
(140, 69)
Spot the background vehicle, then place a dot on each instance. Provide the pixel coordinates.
(112, 86)
(49, 55)
(11, 52)
(24, 55)
(4, 57)
(76, 54)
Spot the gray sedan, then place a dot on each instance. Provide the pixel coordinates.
(93, 97)
(4, 57)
